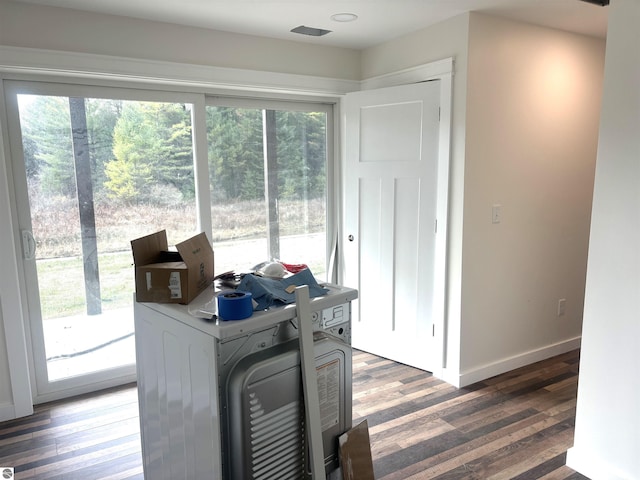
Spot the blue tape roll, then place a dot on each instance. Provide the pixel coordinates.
(234, 305)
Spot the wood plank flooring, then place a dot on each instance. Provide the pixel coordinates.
(518, 425)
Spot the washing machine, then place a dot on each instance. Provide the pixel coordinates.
(224, 400)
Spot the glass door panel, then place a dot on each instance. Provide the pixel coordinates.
(99, 172)
(268, 179)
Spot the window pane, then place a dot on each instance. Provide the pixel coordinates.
(302, 186)
(100, 173)
(291, 172)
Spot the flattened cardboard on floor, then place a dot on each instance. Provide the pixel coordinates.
(171, 277)
(355, 453)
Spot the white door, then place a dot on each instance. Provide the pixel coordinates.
(391, 192)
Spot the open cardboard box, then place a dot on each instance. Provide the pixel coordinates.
(171, 277)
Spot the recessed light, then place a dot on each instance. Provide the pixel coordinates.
(344, 17)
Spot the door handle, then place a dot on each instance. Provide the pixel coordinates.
(350, 238)
(28, 245)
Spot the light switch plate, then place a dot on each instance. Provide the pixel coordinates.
(496, 213)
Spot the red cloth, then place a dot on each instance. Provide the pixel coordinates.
(294, 268)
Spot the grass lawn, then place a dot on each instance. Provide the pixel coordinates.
(61, 283)
(61, 280)
(237, 228)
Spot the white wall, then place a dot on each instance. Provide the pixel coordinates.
(33, 26)
(533, 105)
(607, 434)
(526, 109)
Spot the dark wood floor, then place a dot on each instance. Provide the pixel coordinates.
(515, 426)
(518, 425)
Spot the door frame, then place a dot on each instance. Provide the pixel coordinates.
(11, 311)
(442, 70)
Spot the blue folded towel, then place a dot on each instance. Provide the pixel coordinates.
(269, 291)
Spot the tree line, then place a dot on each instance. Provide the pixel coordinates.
(142, 152)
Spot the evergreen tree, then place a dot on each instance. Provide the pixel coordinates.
(130, 172)
(176, 168)
(236, 157)
(102, 116)
(301, 154)
(47, 143)
(152, 147)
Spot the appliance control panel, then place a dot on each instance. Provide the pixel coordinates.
(335, 321)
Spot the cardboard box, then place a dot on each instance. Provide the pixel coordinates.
(355, 453)
(171, 277)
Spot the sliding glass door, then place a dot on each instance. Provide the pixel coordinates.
(96, 167)
(93, 169)
(269, 166)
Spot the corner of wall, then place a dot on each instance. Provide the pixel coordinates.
(607, 428)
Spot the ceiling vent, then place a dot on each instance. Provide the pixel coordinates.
(313, 32)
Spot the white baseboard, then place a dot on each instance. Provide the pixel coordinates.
(507, 364)
(590, 465)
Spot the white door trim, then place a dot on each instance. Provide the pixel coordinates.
(421, 73)
(442, 239)
(442, 70)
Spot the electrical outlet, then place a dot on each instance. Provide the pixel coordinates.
(562, 305)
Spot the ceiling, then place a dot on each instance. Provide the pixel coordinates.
(378, 20)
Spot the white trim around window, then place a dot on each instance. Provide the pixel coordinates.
(103, 68)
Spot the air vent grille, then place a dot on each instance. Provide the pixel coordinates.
(310, 31)
(277, 441)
